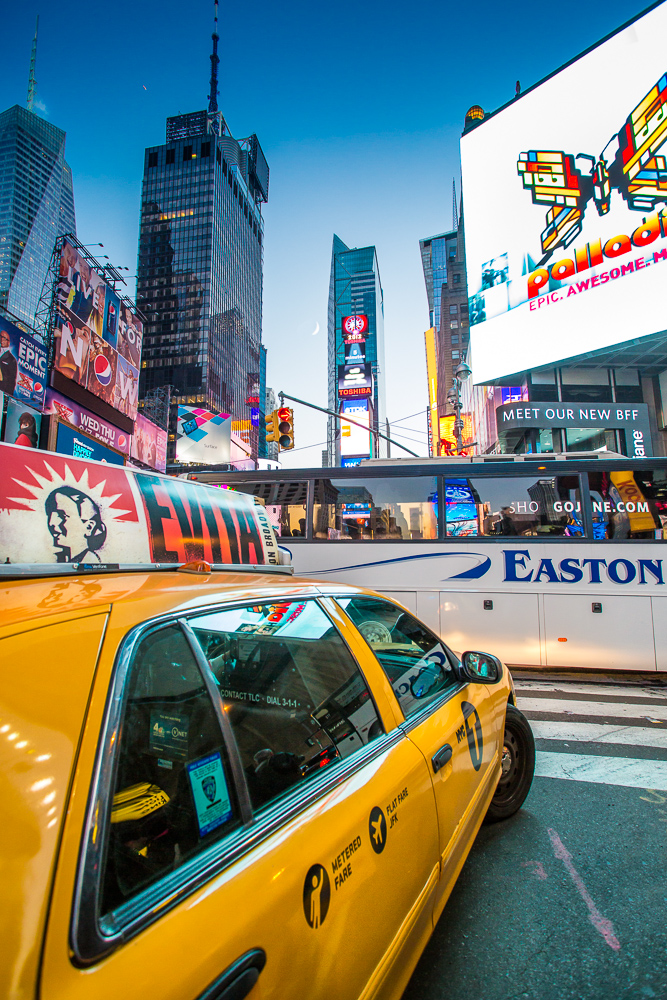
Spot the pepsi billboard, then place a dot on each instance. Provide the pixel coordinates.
(97, 336)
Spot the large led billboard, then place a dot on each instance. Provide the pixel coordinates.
(355, 440)
(23, 364)
(565, 221)
(355, 381)
(202, 436)
(97, 336)
(149, 443)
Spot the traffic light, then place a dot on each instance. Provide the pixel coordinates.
(286, 427)
(272, 432)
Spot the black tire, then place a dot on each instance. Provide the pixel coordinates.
(518, 767)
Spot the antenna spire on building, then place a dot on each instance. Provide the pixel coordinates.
(32, 82)
(214, 116)
(455, 211)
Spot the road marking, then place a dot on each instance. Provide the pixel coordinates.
(658, 694)
(593, 708)
(624, 771)
(590, 732)
(601, 924)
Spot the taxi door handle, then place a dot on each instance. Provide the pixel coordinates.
(238, 978)
(440, 758)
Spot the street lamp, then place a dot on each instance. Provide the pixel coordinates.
(461, 375)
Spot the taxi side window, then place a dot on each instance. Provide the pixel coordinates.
(419, 666)
(295, 698)
(173, 794)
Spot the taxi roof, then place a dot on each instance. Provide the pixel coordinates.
(139, 596)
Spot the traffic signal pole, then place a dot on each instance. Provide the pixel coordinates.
(348, 420)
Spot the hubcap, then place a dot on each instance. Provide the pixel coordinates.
(506, 762)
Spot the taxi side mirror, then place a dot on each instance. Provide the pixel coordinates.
(480, 668)
(428, 679)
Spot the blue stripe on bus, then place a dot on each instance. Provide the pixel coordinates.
(469, 574)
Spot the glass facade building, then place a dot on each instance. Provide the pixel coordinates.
(36, 206)
(434, 263)
(355, 290)
(443, 263)
(199, 276)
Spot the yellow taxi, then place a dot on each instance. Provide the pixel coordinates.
(228, 782)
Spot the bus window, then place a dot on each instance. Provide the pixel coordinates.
(518, 506)
(285, 505)
(376, 509)
(629, 504)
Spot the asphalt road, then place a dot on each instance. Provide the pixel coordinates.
(568, 899)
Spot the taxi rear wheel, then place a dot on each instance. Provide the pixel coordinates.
(517, 767)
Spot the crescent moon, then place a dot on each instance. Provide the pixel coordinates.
(317, 329)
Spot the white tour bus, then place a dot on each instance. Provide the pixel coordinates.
(546, 560)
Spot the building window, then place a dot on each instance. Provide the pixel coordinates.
(218, 156)
(455, 338)
(454, 325)
(456, 354)
(453, 310)
(457, 279)
(187, 153)
(152, 159)
(171, 156)
(206, 149)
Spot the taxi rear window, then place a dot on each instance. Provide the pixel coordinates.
(173, 793)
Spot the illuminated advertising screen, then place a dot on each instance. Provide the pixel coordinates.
(460, 508)
(355, 440)
(202, 436)
(355, 352)
(432, 378)
(149, 443)
(23, 365)
(84, 420)
(97, 337)
(354, 327)
(355, 381)
(448, 437)
(22, 425)
(71, 441)
(564, 198)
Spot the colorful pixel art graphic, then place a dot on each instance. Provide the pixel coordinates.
(628, 164)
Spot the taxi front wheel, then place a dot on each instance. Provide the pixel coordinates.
(517, 767)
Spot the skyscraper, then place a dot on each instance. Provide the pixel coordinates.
(200, 267)
(443, 262)
(36, 204)
(355, 353)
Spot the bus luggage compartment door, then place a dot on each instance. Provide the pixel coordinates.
(617, 637)
(508, 628)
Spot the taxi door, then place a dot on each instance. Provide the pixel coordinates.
(328, 891)
(455, 726)
(458, 736)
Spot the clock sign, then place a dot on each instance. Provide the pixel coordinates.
(355, 325)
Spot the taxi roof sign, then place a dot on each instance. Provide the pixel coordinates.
(62, 514)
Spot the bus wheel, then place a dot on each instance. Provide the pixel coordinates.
(518, 767)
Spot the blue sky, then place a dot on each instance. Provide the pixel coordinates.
(359, 108)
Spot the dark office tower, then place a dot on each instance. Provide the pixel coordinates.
(36, 206)
(355, 353)
(200, 268)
